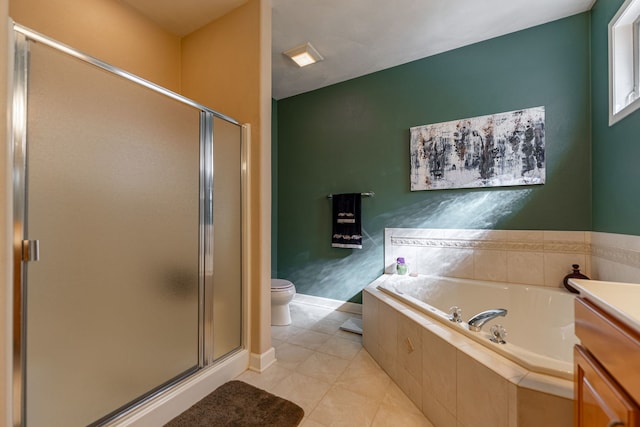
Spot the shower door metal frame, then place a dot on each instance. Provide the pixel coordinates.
(21, 36)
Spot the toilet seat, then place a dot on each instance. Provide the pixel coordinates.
(281, 285)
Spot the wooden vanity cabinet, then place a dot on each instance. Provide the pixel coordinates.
(607, 369)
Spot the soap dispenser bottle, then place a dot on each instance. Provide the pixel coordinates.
(401, 266)
(574, 275)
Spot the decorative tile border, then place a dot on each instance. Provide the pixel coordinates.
(623, 256)
(499, 245)
(567, 247)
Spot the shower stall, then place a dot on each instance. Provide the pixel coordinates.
(127, 237)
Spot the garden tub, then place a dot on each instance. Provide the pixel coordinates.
(459, 377)
(539, 321)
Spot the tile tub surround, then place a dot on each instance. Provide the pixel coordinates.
(454, 380)
(527, 257)
(615, 257)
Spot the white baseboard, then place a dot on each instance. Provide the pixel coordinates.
(260, 362)
(160, 410)
(333, 304)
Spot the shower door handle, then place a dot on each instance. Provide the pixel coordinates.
(30, 250)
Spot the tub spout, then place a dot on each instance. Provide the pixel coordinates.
(476, 322)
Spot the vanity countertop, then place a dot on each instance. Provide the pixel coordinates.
(621, 300)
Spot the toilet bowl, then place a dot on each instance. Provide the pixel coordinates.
(282, 292)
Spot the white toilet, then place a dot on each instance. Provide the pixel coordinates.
(282, 292)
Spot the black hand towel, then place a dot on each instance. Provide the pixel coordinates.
(347, 224)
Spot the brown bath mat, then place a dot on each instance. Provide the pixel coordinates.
(239, 404)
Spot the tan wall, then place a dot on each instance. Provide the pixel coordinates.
(108, 30)
(224, 66)
(119, 35)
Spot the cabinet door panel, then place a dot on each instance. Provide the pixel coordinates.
(599, 399)
(612, 343)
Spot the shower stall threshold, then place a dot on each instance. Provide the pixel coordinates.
(161, 408)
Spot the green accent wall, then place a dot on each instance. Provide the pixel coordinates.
(616, 149)
(354, 137)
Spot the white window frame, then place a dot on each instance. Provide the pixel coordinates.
(624, 61)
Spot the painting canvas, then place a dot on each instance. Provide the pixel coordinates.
(500, 149)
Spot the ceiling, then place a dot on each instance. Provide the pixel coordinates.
(358, 37)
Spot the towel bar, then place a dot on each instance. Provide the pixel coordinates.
(368, 194)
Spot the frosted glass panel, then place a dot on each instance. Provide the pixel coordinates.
(113, 197)
(227, 238)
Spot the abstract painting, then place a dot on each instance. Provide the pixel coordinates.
(500, 149)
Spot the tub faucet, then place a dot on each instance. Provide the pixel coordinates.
(476, 322)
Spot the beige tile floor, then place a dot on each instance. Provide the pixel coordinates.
(331, 376)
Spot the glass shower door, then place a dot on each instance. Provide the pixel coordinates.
(227, 238)
(113, 197)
